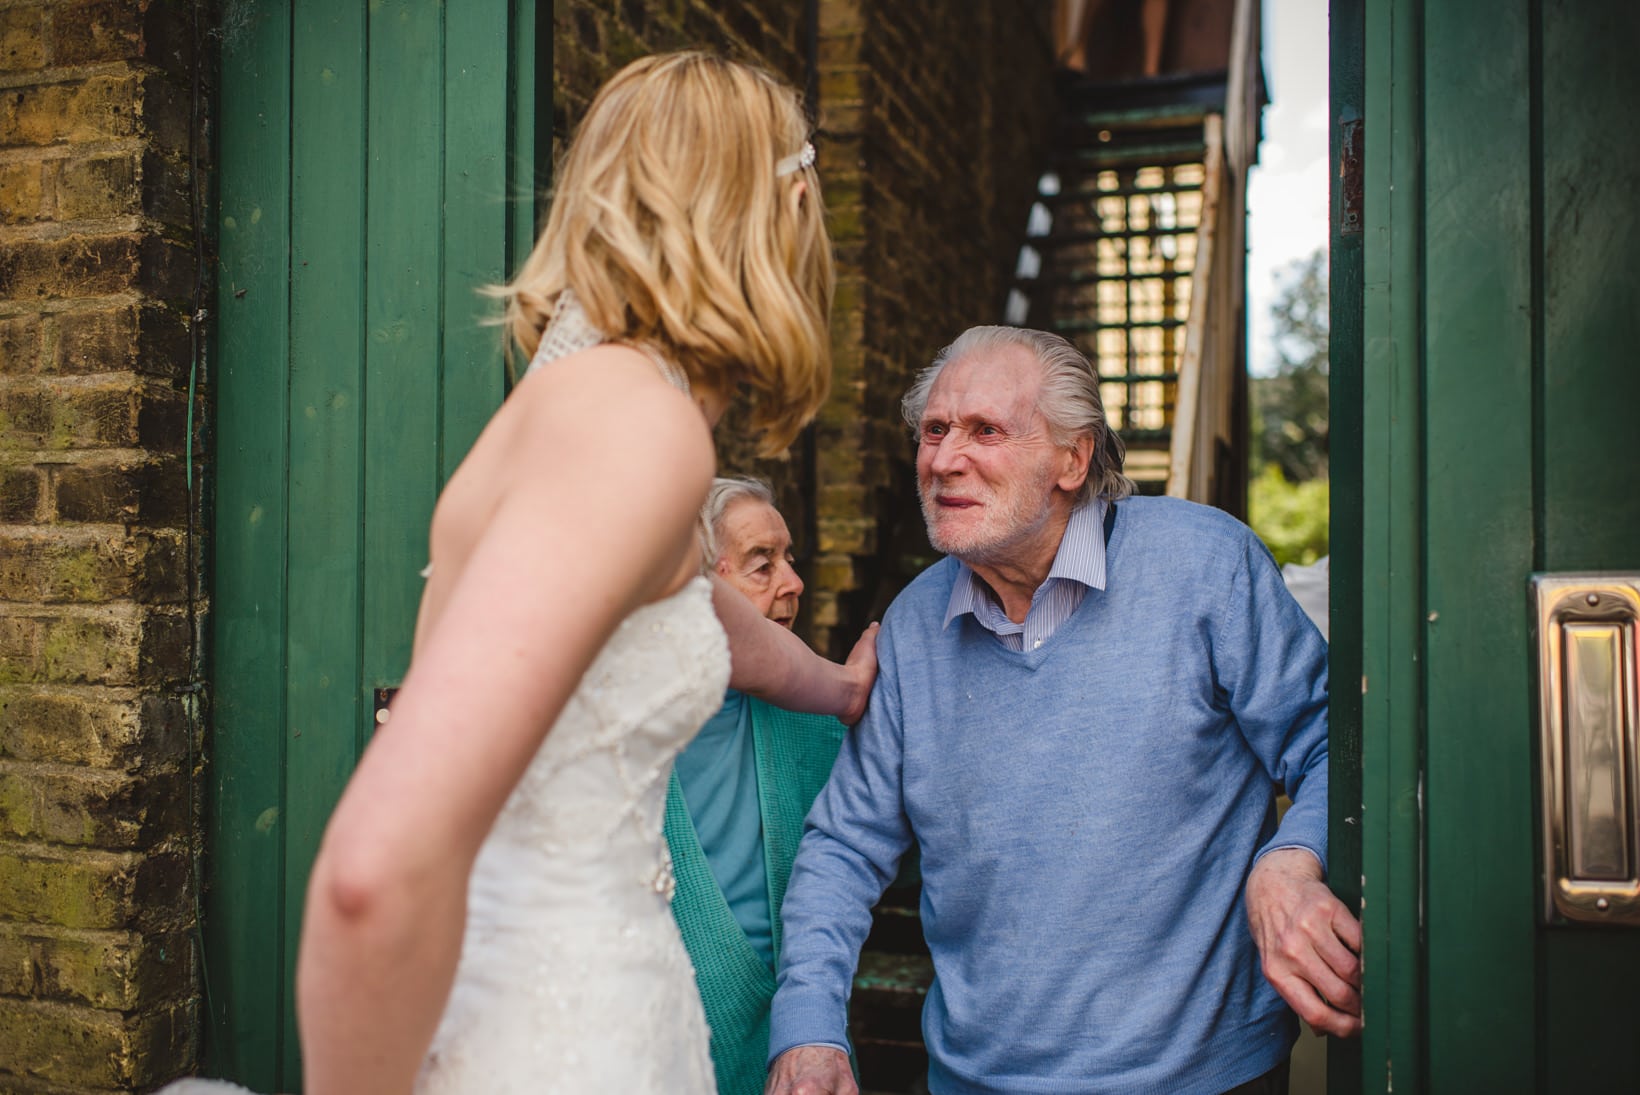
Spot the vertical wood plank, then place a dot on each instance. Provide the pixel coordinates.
(246, 808)
(1392, 538)
(328, 97)
(1480, 922)
(529, 150)
(404, 312)
(1591, 178)
(476, 181)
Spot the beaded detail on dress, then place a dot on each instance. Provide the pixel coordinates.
(570, 331)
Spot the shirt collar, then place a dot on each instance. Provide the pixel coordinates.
(1080, 558)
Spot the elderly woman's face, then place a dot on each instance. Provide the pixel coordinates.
(756, 558)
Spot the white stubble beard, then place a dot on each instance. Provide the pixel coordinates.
(1000, 530)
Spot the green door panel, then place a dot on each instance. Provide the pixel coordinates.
(1392, 560)
(1478, 538)
(377, 171)
(1346, 78)
(1498, 319)
(326, 438)
(245, 836)
(1591, 286)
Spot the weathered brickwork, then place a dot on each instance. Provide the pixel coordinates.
(931, 118)
(98, 971)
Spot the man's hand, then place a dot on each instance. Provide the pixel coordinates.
(811, 1070)
(861, 668)
(1307, 939)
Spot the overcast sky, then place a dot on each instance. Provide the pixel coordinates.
(1287, 191)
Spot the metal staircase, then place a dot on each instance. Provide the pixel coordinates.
(1111, 259)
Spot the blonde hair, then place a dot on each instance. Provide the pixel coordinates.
(671, 225)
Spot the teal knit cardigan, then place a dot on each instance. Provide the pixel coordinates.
(794, 757)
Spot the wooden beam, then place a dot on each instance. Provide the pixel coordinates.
(1181, 480)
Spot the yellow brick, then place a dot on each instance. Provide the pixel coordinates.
(100, 969)
(98, 109)
(89, 1049)
(21, 191)
(22, 45)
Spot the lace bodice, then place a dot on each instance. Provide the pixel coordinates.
(594, 795)
(570, 331)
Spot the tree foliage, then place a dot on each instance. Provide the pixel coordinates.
(1288, 493)
(1290, 408)
(1291, 518)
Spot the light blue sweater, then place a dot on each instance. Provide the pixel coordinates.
(1087, 812)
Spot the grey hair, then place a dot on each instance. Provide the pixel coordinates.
(725, 492)
(1069, 400)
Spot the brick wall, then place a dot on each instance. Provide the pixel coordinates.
(932, 115)
(97, 273)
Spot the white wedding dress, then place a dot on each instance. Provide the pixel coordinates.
(573, 978)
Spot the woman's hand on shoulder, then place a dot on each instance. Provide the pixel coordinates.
(861, 669)
(771, 663)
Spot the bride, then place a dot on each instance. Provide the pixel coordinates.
(488, 910)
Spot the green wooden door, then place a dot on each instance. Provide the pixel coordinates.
(376, 170)
(1488, 370)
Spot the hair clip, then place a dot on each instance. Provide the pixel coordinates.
(798, 160)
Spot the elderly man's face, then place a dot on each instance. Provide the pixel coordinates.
(756, 558)
(986, 463)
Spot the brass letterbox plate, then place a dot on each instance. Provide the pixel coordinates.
(1586, 651)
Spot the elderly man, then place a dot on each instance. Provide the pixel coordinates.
(734, 811)
(1079, 718)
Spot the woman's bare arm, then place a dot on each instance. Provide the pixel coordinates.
(612, 465)
(776, 666)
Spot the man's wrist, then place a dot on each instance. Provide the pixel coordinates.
(808, 1045)
(804, 1016)
(1309, 859)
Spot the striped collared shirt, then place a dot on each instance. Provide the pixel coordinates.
(1078, 567)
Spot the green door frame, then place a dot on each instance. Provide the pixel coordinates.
(1347, 87)
(378, 165)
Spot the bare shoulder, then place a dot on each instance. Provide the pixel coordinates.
(611, 399)
(603, 435)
